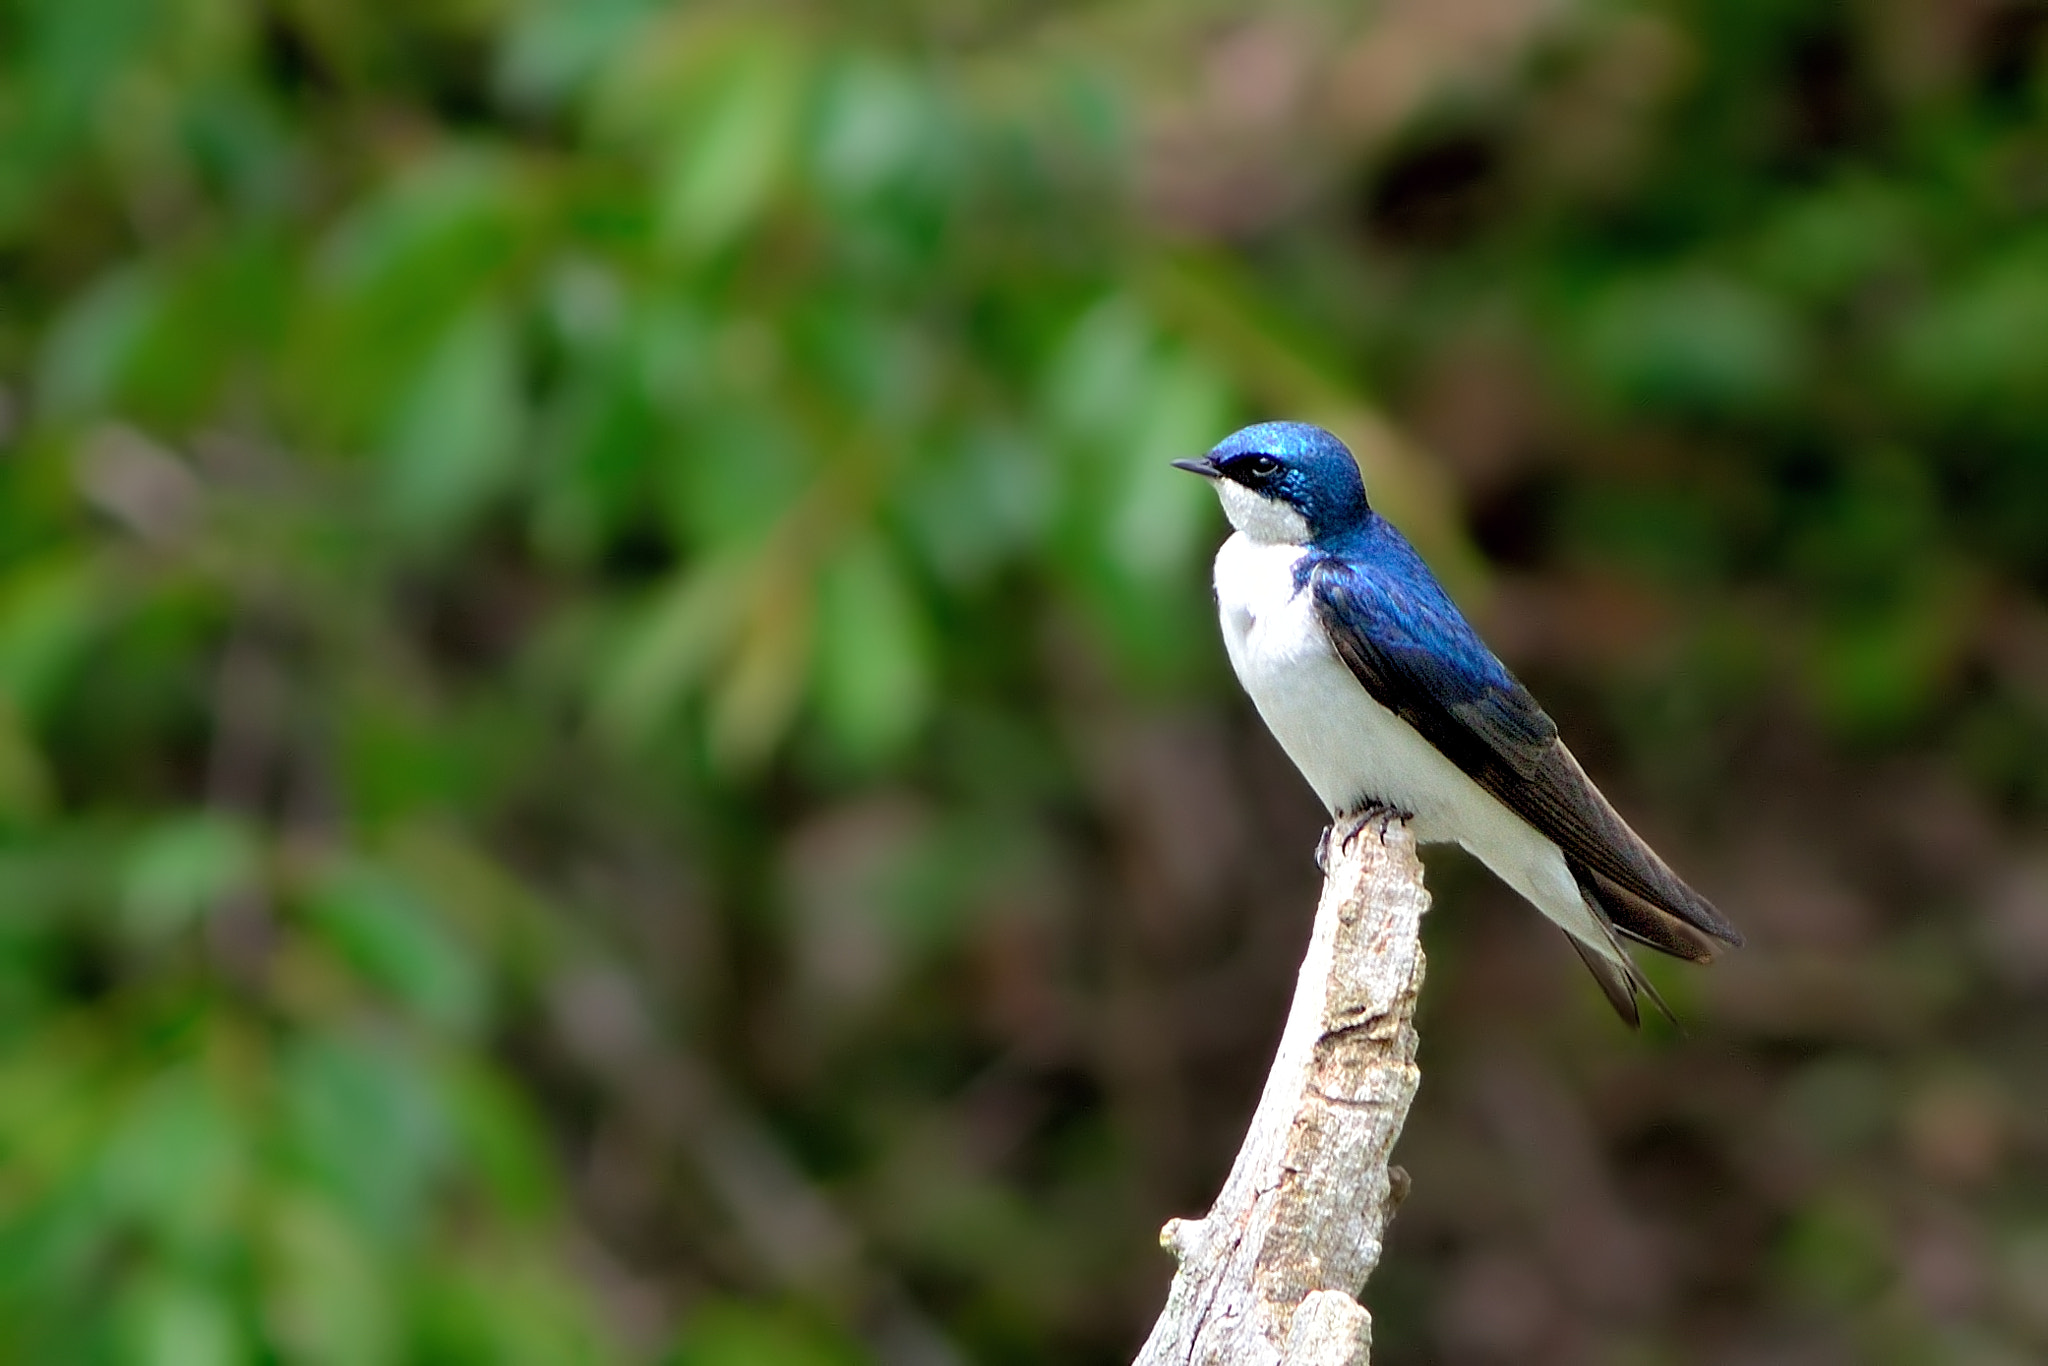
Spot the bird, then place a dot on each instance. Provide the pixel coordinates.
(1385, 697)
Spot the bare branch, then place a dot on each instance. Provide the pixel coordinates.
(1272, 1274)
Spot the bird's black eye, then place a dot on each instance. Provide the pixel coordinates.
(1262, 466)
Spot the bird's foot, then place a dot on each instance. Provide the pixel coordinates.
(1373, 813)
(1323, 850)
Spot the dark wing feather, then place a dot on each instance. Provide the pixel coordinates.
(1464, 702)
(1639, 920)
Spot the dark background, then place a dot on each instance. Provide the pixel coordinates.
(612, 747)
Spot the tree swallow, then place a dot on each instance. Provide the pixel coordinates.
(1383, 695)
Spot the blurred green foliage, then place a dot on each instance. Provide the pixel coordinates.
(589, 600)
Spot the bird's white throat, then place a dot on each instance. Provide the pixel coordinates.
(1268, 521)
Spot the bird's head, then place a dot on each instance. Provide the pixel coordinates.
(1285, 483)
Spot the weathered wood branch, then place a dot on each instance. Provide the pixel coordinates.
(1272, 1275)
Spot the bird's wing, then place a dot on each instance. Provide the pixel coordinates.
(1420, 659)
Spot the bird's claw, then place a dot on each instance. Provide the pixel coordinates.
(1379, 815)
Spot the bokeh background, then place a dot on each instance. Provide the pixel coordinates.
(612, 747)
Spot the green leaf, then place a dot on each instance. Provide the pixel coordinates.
(673, 644)
(873, 664)
(502, 1141)
(182, 869)
(732, 144)
(367, 1126)
(325, 1285)
(426, 239)
(1981, 348)
(985, 501)
(88, 351)
(177, 1161)
(176, 1322)
(756, 697)
(393, 288)
(871, 126)
(25, 789)
(1099, 365)
(554, 48)
(455, 434)
(1826, 244)
(506, 1305)
(398, 941)
(48, 611)
(740, 469)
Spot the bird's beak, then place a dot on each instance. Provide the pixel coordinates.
(1204, 467)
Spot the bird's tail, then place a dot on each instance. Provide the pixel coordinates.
(1622, 914)
(1621, 981)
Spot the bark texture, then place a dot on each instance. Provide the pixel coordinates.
(1272, 1274)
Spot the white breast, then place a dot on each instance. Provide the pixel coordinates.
(1351, 749)
(1354, 751)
